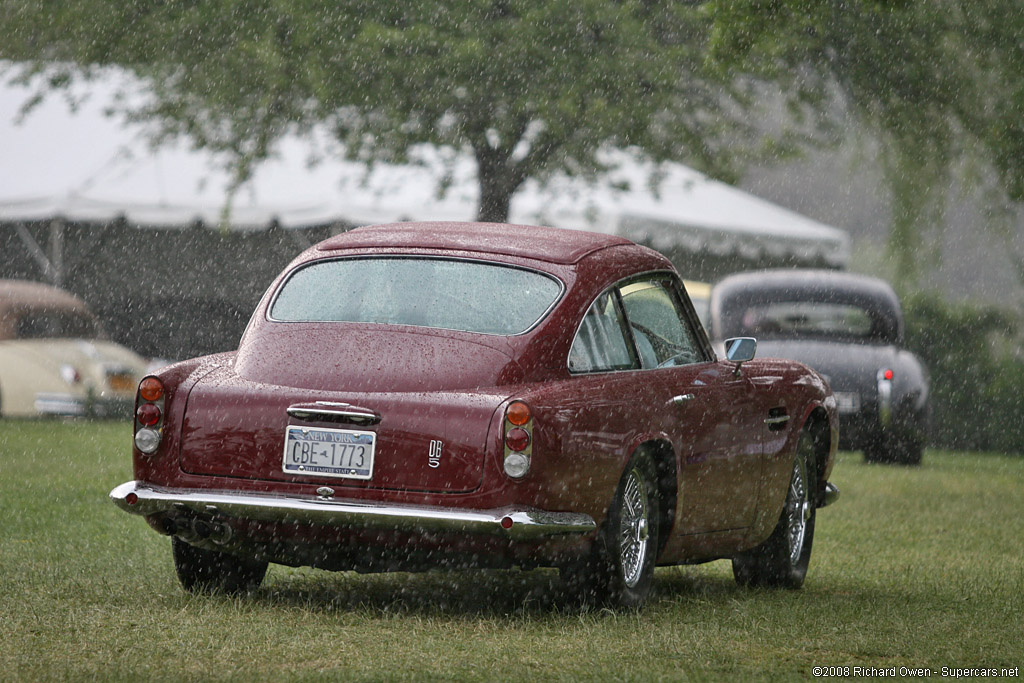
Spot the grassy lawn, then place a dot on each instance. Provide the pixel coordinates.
(918, 567)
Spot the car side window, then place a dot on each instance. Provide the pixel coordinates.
(659, 326)
(601, 342)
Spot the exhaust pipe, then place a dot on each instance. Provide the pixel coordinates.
(210, 530)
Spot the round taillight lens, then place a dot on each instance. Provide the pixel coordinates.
(148, 414)
(517, 439)
(147, 440)
(887, 374)
(516, 466)
(151, 389)
(518, 413)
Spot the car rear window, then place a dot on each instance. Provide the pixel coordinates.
(786, 319)
(451, 294)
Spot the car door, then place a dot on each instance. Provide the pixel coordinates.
(713, 414)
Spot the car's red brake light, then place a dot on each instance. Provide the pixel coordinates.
(148, 414)
(517, 439)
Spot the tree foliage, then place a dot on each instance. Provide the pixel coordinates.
(936, 82)
(976, 374)
(533, 88)
(527, 88)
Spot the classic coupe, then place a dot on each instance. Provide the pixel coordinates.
(55, 358)
(848, 327)
(424, 395)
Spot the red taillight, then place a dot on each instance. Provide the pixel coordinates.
(151, 389)
(148, 414)
(887, 374)
(517, 439)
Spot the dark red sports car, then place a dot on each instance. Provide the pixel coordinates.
(428, 394)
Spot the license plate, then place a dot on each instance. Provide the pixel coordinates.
(121, 381)
(847, 402)
(329, 452)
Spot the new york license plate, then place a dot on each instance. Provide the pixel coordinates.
(329, 452)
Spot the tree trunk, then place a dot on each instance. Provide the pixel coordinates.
(495, 201)
(498, 182)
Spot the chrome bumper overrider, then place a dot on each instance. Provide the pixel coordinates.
(515, 523)
(830, 496)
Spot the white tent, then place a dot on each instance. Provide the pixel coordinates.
(86, 167)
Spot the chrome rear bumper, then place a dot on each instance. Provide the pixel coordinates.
(514, 523)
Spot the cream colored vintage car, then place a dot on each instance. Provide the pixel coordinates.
(55, 358)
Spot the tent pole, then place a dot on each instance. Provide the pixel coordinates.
(57, 251)
(37, 252)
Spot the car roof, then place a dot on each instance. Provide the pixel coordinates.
(730, 295)
(554, 245)
(25, 293)
(807, 284)
(18, 296)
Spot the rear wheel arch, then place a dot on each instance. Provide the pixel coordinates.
(817, 424)
(664, 458)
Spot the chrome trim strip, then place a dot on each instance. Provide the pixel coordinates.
(781, 419)
(336, 415)
(527, 523)
(59, 404)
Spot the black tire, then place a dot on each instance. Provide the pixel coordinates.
(906, 450)
(620, 569)
(875, 451)
(209, 571)
(909, 451)
(782, 560)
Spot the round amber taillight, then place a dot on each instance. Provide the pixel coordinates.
(151, 389)
(518, 413)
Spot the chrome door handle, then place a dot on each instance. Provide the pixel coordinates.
(681, 399)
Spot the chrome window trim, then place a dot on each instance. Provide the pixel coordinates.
(689, 316)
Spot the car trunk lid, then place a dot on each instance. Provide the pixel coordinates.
(421, 441)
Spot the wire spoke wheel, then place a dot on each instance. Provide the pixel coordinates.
(634, 526)
(798, 510)
(782, 559)
(619, 568)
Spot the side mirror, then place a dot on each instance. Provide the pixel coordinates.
(739, 350)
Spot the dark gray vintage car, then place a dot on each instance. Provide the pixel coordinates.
(849, 328)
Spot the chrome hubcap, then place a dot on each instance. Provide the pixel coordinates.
(633, 529)
(798, 510)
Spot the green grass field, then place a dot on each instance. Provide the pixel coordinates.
(914, 567)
